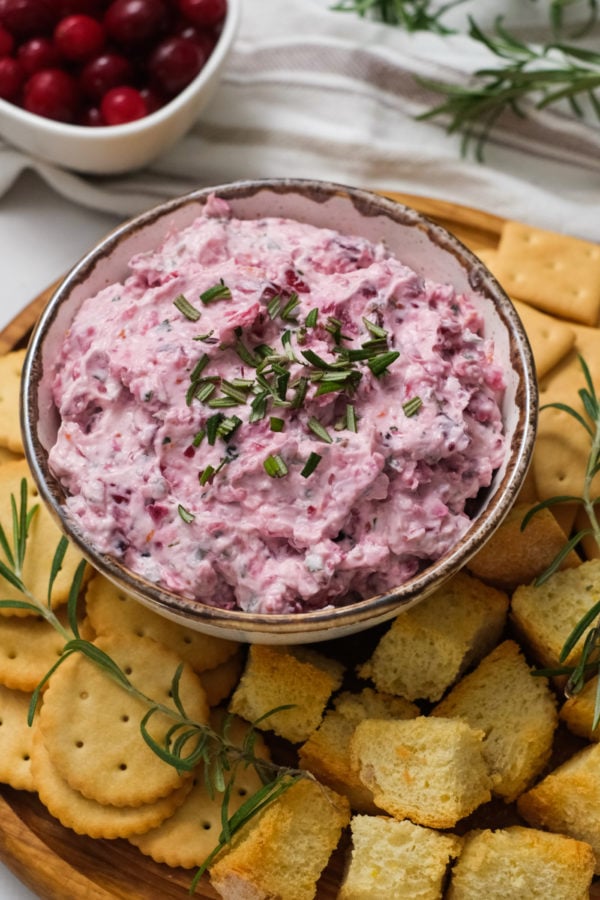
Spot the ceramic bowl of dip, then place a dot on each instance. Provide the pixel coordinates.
(354, 222)
(114, 149)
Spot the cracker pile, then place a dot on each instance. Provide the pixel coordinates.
(441, 767)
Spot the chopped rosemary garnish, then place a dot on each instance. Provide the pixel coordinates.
(228, 426)
(318, 429)
(311, 318)
(212, 427)
(185, 514)
(276, 424)
(206, 475)
(412, 406)
(311, 464)
(185, 307)
(273, 306)
(380, 364)
(289, 308)
(376, 330)
(274, 466)
(219, 291)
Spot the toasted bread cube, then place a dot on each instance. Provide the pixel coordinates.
(327, 751)
(283, 851)
(579, 711)
(516, 711)
(275, 677)
(517, 863)
(568, 800)
(545, 615)
(428, 647)
(514, 556)
(396, 859)
(429, 770)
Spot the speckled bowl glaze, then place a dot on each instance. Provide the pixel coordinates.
(426, 247)
(121, 148)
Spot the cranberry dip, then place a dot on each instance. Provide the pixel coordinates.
(275, 417)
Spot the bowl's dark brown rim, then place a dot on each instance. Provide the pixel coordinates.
(369, 611)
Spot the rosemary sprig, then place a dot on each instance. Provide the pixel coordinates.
(585, 632)
(412, 15)
(527, 74)
(187, 744)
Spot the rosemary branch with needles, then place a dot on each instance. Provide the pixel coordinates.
(587, 630)
(187, 744)
(527, 75)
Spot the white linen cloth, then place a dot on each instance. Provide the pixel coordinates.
(313, 92)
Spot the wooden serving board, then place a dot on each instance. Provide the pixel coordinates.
(56, 863)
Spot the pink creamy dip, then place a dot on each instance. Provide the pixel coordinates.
(384, 499)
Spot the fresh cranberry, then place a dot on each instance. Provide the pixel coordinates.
(79, 37)
(204, 37)
(27, 17)
(91, 117)
(203, 12)
(38, 53)
(174, 63)
(11, 77)
(152, 99)
(121, 105)
(134, 22)
(51, 93)
(7, 42)
(106, 71)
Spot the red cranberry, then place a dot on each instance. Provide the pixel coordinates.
(204, 37)
(79, 37)
(27, 17)
(152, 99)
(106, 71)
(7, 42)
(38, 53)
(91, 117)
(11, 77)
(203, 12)
(174, 63)
(121, 105)
(51, 93)
(135, 22)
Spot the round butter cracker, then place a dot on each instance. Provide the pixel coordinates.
(91, 725)
(42, 541)
(15, 740)
(111, 610)
(85, 816)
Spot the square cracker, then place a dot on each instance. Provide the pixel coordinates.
(11, 365)
(555, 273)
(562, 446)
(550, 338)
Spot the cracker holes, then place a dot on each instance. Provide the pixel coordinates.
(242, 792)
(124, 718)
(79, 744)
(83, 695)
(187, 639)
(26, 757)
(12, 654)
(128, 670)
(207, 826)
(122, 767)
(140, 632)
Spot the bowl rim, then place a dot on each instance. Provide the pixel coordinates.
(164, 113)
(316, 624)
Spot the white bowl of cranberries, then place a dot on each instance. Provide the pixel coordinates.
(106, 86)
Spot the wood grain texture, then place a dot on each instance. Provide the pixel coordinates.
(57, 864)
